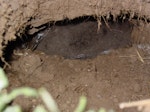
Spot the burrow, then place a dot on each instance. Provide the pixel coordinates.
(83, 37)
(85, 65)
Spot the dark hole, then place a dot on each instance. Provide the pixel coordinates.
(75, 39)
(81, 39)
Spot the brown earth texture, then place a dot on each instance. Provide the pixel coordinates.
(97, 48)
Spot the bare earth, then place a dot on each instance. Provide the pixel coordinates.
(108, 72)
(105, 80)
(116, 75)
(15, 15)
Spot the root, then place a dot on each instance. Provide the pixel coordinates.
(99, 24)
(5, 63)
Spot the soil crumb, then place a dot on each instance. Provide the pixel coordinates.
(106, 80)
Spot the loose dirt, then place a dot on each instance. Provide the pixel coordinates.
(16, 15)
(109, 72)
(105, 80)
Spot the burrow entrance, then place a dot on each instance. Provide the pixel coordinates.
(106, 80)
(80, 38)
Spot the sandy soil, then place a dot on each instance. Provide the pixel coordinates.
(106, 79)
(17, 15)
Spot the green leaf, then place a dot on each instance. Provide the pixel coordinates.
(39, 109)
(102, 110)
(7, 98)
(4, 100)
(3, 80)
(15, 108)
(26, 91)
(82, 104)
(91, 111)
(48, 100)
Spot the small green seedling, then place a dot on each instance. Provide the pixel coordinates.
(51, 105)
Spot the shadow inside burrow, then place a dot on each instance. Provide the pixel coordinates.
(79, 38)
(82, 39)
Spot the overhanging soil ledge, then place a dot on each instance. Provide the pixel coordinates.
(15, 15)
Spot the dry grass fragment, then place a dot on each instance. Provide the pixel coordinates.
(143, 105)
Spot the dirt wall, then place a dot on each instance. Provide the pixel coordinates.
(15, 15)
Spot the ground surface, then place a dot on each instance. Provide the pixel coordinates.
(106, 80)
(115, 74)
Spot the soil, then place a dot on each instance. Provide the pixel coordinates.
(17, 15)
(105, 80)
(106, 70)
(113, 74)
